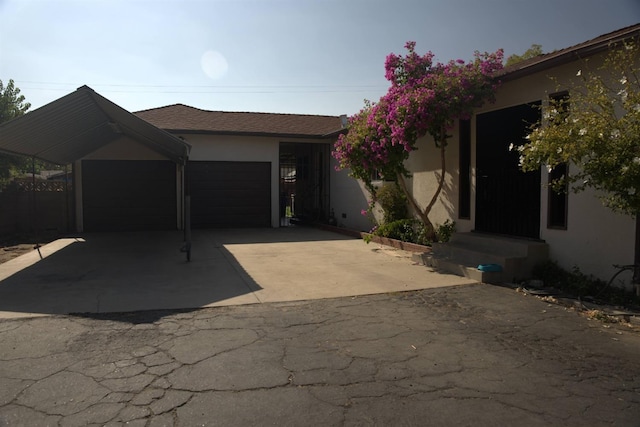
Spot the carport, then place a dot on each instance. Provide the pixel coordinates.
(135, 183)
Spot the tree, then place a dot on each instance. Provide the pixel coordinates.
(424, 98)
(532, 52)
(12, 105)
(597, 135)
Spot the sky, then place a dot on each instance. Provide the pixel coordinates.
(279, 56)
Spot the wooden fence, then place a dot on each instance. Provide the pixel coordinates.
(33, 207)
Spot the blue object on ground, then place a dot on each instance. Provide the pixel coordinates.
(490, 267)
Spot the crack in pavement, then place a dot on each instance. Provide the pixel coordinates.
(453, 356)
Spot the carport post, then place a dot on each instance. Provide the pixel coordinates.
(187, 227)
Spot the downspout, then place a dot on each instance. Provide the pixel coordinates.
(66, 198)
(636, 258)
(34, 210)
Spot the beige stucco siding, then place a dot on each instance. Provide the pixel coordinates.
(595, 237)
(348, 198)
(125, 148)
(425, 166)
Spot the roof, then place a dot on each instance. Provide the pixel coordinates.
(569, 54)
(79, 123)
(180, 118)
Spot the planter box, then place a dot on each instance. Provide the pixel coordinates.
(398, 244)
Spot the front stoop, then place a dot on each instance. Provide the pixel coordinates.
(466, 251)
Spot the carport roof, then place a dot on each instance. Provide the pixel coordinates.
(79, 123)
(180, 118)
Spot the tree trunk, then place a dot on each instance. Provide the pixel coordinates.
(424, 217)
(423, 214)
(443, 168)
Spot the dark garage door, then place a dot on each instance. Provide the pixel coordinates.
(230, 194)
(124, 195)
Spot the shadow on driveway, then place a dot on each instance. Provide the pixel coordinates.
(120, 272)
(126, 272)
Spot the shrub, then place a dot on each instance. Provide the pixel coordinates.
(579, 284)
(402, 229)
(393, 202)
(413, 231)
(445, 231)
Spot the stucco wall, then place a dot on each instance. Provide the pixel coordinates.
(595, 237)
(348, 198)
(245, 149)
(124, 148)
(425, 165)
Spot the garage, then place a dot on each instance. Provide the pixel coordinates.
(229, 194)
(125, 169)
(123, 195)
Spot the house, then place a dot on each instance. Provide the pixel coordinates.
(133, 171)
(246, 169)
(486, 193)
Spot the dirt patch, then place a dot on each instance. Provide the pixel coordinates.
(13, 246)
(8, 253)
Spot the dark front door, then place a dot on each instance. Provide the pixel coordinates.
(507, 199)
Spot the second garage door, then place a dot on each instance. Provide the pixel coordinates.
(229, 194)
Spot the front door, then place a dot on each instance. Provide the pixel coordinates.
(507, 199)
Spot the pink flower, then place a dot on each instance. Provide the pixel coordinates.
(424, 98)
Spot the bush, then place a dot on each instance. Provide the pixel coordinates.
(582, 285)
(414, 231)
(393, 202)
(445, 231)
(402, 229)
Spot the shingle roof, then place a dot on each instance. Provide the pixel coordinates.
(572, 53)
(179, 118)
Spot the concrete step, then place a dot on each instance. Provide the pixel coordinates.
(454, 267)
(466, 251)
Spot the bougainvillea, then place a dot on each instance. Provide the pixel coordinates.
(424, 98)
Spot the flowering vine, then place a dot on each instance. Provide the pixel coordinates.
(424, 98)
(597, 133)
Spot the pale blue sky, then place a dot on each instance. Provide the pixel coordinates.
(283, 56)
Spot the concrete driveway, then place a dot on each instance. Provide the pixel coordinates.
(122, 272)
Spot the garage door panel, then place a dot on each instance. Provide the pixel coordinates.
(123, 195)
(230, 194)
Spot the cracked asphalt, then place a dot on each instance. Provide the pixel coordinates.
(470, 355)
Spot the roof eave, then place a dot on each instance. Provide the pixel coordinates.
(258, 134)
(567, 56)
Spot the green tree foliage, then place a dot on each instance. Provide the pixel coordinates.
(532, 52)
(393, 202)
(598, 134)
(12, 105)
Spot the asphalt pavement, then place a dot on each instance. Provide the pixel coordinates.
(465, 355)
